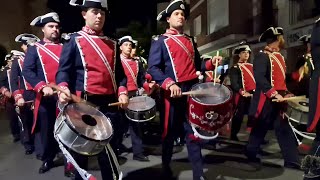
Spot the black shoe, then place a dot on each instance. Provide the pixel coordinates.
(234, 138)
(123, 149)
(39, 157)
(141, 157)
(252, 157)
(46, 166)
(69, 174)
(292, 165)
(167, 171)
(28, 151)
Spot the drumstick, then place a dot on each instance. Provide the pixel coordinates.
(73, 97)
(215, 70)
(115, 104)
(290, 98)
(26, 102)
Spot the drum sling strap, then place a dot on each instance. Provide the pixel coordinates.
(83, 173)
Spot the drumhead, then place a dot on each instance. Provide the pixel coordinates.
(88, 121)
(141, 103)
(300, 104)
(214, 93)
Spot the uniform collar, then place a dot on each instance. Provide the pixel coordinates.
(45, 40)
(123, 57)
(173, 32)
(269, 49)
(91, 31)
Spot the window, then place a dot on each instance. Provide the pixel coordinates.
(301, 10)
(218, 14)
(197, 26)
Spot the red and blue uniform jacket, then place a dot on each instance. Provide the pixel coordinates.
(39, 69)
(174, 58)
(270, 75)
(242, 79)
(135, 73)
(90, 63)
(17, 80)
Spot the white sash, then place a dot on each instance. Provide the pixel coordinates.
(102, 57)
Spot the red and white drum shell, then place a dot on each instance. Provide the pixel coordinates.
(210, 111)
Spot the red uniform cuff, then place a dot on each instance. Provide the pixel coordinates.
(148, 77)
(17, 97)
(241, 91)
(17, 93)
(295, 76)
(271, 93)
(209, 65)
(63, 84)
(122, 90)
(40, 86)
(167, 83)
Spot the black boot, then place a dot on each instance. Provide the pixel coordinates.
(46, 166)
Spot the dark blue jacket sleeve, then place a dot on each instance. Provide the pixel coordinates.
(4, 79)
(66, 62)
(141, 74)
(121, 78)
(261, 68)
(15, 75)
(30, 67)
(156, 64)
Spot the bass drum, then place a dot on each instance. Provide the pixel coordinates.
(83, 129)
(210, 110)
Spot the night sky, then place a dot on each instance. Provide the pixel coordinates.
(122, 12)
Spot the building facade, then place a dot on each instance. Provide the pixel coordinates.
(223, 24)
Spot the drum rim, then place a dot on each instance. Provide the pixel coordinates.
(226, 101)
(82, 135)
(143, 110)
(144, 120)
(154, 107)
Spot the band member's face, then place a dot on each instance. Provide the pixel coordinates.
(244, 56)
(51, 31)
(177, 19)
(126, 48)
(24, 47)
(94, 18)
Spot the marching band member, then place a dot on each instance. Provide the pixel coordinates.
(299, 79)
(26, 92)
(173, 62)
(243, 85)
(23, 92)
(90, 67)
(135, 79)
(314, 100)
(269, 73)
(6, 91)
(39, 69)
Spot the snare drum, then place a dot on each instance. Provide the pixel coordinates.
(141, 109)
(210, 111)
(297, 111)
(83, 128)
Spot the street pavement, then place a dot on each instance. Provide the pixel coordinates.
(225, 162)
